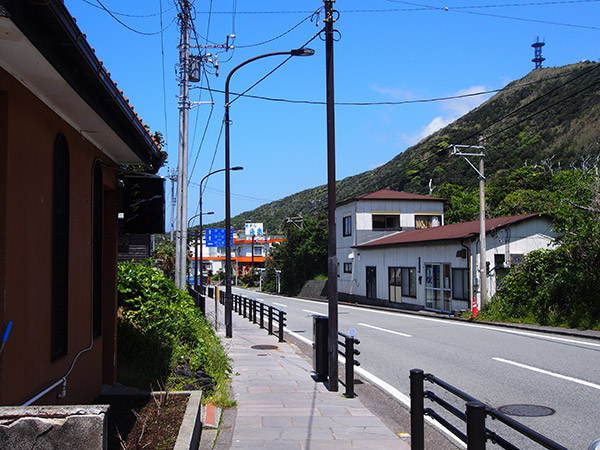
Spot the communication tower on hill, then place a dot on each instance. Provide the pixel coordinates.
(537, 46)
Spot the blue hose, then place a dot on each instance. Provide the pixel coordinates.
(7, 332)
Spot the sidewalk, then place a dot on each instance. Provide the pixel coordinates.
(280, 406)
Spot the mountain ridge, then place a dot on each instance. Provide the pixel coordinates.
(548, 117)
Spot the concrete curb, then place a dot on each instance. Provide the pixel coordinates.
(191, 426)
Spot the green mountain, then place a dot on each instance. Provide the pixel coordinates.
(550, 117)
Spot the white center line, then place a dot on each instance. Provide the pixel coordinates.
(546, 372)
(383, 329)
(280, 304)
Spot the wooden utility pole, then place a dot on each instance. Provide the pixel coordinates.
(332, 292)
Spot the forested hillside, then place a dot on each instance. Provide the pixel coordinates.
(551, 117)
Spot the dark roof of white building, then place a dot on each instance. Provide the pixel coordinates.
(457, 231)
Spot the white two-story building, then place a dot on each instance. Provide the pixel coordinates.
(394, 250)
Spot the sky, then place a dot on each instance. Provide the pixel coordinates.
(403, 54)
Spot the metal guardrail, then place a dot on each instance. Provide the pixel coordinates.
(349, 352)
(477, 434)
(256, 311)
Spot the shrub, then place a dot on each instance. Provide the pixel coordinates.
(158, 324)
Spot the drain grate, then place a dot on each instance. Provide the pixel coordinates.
(264, 347)
(526, 410)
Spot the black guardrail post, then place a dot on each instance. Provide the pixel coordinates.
(475, 426)
(254, 308)
(270, 329)
(281, 323)
(417, 425)
(349, 353)
(262, 315)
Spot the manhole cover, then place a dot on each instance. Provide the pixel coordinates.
(526, 410)
(264, 347)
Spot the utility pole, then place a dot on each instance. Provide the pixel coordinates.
(184, 89)
(332, 290)
(173, 177)
(482, 243)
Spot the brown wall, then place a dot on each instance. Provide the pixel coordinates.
(26, 168)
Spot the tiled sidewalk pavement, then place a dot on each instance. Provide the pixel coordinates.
(280, 406)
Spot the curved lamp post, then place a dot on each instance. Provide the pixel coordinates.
(199, 263)
(228, 299)
(196, 254)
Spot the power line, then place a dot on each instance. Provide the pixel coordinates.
(110, 13)
(279, 36)
(396, 103)
(212, 107)
(275, 69)
(129, 15)
(537, 99)
(241, 196)
(164, 80)
(463, 10)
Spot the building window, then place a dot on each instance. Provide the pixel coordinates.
(437, 286)
(60, 247)
(460, 284)
(97, 217)
(371, 285)
(386, 222)
(259, 250)
(402, 283)
(427, 221)
(347, 267)
(347, 226)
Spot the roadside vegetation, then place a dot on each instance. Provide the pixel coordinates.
(301, 256)
(557, 286)
(159, 327)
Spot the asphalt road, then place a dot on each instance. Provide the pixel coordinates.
(498, 366)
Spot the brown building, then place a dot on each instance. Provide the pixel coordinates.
(64, 129)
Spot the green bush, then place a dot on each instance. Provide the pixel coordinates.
(550, 287)
(158, 324)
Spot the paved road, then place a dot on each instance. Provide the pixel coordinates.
(499, 366)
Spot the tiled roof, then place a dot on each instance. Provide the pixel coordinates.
(387, 194)
(455, 231)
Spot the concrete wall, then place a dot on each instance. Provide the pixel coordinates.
(50, 427)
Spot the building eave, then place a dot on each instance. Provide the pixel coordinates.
(42, 47)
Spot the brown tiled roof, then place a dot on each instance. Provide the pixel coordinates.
(387, 194)
(455, 231)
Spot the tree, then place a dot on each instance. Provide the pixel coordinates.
(302, 255)
(560, 286)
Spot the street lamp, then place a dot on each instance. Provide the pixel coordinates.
(199, 261)
(196, 245)
(228, 299)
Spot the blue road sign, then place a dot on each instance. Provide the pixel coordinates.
(215, 237)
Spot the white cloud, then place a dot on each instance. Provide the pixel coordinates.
(455, 108)
(395, 93)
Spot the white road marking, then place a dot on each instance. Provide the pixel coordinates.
(384, 329)
(547, 372)
(463, 324)
(403, 398)
(480, 326)
(313, 312)
(280, 304)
